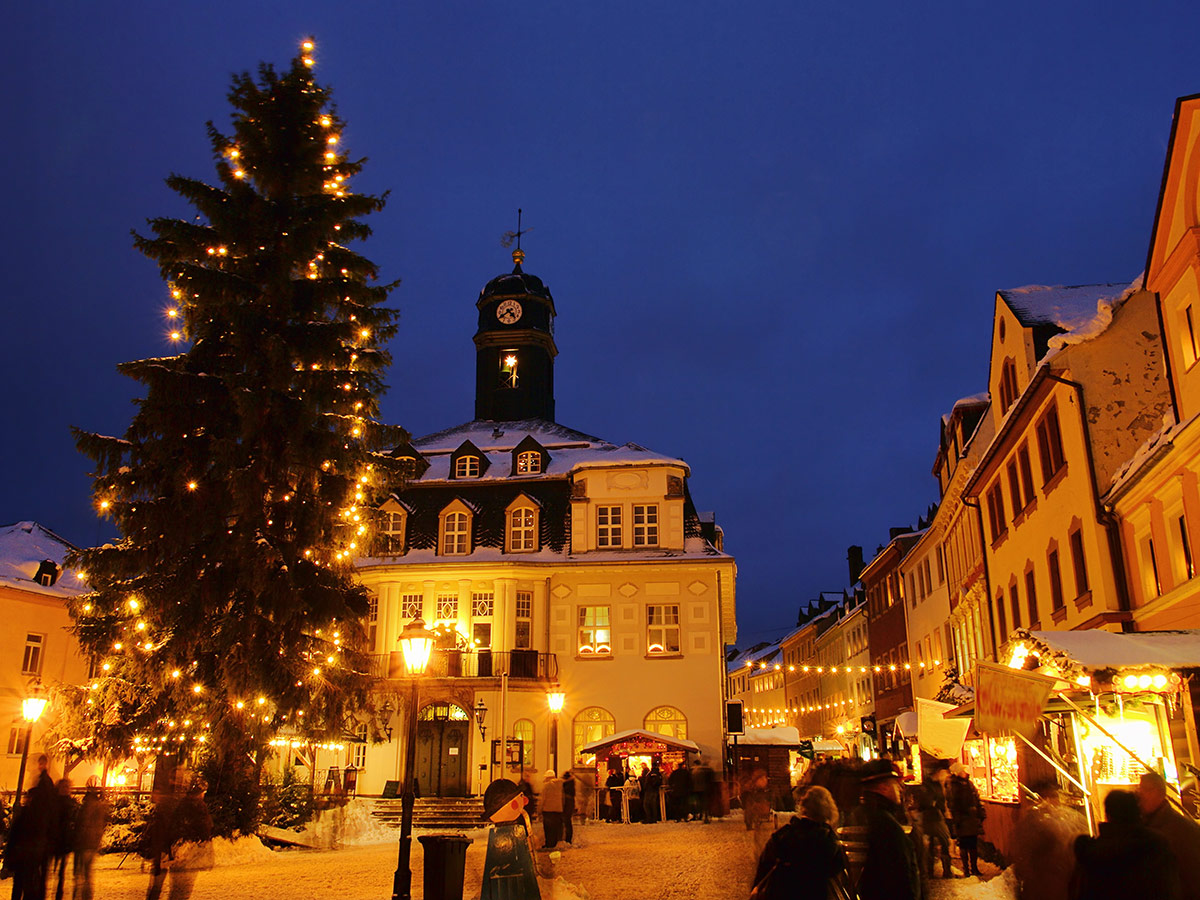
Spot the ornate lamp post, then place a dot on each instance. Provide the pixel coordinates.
(416, 644)
(31, 708)
(554, 700)
(481, 714)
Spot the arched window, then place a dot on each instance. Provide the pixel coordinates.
(591, 724)
(391, 533)
(523, 732)
(1008, 385)
(529, 462)
(667, 720)
(358, 749)
(466, 467)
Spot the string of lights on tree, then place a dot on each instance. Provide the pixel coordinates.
(248, 480)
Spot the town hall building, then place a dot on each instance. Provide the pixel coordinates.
(550, 561)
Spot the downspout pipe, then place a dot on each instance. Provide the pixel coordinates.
(1103, 515)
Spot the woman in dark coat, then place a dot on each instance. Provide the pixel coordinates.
(967, 814)
(801, 857)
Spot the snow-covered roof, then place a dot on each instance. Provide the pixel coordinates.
(1069, 307)
(637, 734)
(693, 548)
(24, 546)
(784, 735)
(569, 449)
(1093, 649)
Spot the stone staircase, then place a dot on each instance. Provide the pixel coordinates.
(459, 813)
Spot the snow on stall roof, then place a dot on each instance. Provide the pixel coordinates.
(637, 734)
(784, 736)
(1094, 649)
(23, 548)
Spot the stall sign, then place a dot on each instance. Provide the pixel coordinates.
(941, 738)
(636, 748)
(1009, 699)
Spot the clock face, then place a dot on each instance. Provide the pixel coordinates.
(508, 312)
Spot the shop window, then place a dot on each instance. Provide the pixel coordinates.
(523, 732)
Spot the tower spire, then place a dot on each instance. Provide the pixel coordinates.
(518, 254)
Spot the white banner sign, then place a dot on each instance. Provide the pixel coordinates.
(940, 737)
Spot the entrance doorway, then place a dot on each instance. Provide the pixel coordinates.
(443, 735)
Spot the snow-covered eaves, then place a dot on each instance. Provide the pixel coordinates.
(1093, 649)
(694, 548)
(639, 736)
(1071, 308)
(24, 546)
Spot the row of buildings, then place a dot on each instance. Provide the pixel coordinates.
(1068, 501)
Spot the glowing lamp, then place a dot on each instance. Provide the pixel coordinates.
(416, 643)
(1144, 681)
(555, 700)
(32, 708)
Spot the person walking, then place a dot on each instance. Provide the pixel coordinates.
(891, 870)
(679, 793)
(800, 859)
(193, 852)
(552, 810)
(932, 806)
(63, 840)
(1126, 859)
(31, 839)
(651, 787)
(1181, 832)
(569, 784)
(157, 840)
(89, 829)
(967, 815)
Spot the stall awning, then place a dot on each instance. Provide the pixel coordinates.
(783, 736)
(1094, 650)
(641, 739)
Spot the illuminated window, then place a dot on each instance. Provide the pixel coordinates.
(466, 467)
(608, 526)
(595, 631)
(358, 749)
(523, 732)
(662, 628)
(481, 633)
(508, 369)
(391, 534)
(667, 720)
(524, 637)
(412, 606)
(645, 525)
(482, 604)
(529, 462)
(522, 530)
(447, 607)
(372, 618)
(591, 724)
(31, 663)
(456, 533)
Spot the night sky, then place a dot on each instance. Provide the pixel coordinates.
(773, 230)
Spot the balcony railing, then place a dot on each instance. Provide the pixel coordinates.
(529, 664)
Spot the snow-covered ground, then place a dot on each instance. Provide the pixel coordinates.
(607, 862)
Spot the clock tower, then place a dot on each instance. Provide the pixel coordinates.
(514, 348)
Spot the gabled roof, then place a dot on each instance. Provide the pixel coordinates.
(23, 548)
(1066, 307)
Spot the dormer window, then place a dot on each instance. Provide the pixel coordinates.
(47, 573)
(454, 529)
(529, 463)
(391, 534)
(522, 526)
(466, 467)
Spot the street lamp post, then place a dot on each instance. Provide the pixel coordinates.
(416, 644)
(31, 708)
(554, 700)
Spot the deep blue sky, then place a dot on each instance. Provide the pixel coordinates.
(773, 230)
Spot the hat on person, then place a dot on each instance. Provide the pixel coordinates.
(549, 773)
(958, 769)
(878, 770)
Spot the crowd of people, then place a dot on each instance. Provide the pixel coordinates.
(50, 828)
(904, 832)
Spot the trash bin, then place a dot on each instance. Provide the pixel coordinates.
(445, 863)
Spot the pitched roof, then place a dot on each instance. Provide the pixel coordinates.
(23, 548)
(1066, 307)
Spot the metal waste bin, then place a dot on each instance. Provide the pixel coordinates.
(445, 863)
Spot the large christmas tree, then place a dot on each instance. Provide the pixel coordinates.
(242, 490)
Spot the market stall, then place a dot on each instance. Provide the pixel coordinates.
(629, 752)
(1099, 709)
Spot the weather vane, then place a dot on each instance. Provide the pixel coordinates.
(508, 237)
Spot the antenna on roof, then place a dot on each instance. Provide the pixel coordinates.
(506, 240)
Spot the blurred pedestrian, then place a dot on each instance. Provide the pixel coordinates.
(966, 815)
(1126, 859)
(525, 785)
(1043, 845)
(932, 805)
(801, 859)
(891, 870)
(31, 839)
(631, 799)
(614, 783)
(702, 786)
(679, 793)
(552, 810)
(89, 829)
(192, 851)
(569, 784)
(1181, 832)
(63, 839)
(158, 838)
